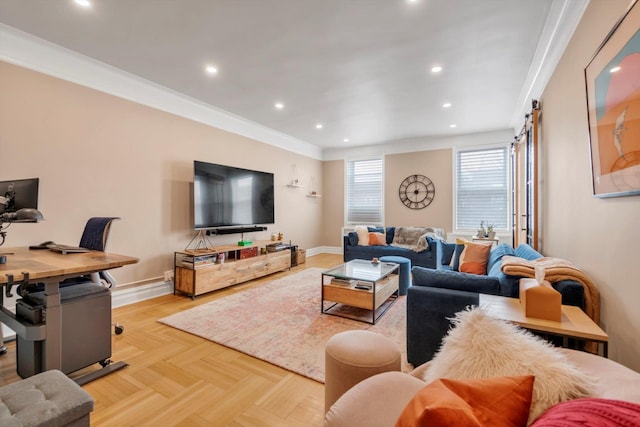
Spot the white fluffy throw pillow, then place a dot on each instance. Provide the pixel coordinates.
(363, 234)
(480, 346)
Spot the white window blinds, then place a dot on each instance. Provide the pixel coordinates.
(482, 192)
(364, 191)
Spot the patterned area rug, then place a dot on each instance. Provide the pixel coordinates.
(280, 322)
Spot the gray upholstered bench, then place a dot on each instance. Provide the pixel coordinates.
(47, 399)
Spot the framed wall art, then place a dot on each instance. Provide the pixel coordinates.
(613, 102)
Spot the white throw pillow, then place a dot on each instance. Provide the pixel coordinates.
(480, 346)
(363, 234)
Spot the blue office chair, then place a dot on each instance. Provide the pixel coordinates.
(94, 237)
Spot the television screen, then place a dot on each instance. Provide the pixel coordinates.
(18, 194)
(226, 196)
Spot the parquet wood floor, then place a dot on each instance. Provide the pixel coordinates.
(177, 379)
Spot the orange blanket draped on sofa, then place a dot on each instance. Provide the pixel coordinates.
(557, 269)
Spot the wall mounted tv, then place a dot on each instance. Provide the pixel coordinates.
(226, 196)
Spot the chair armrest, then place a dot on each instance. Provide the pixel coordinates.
(428, 313)
(455, 280)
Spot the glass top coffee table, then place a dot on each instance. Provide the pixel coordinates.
(362, 284)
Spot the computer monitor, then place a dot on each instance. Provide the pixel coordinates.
(18, 194)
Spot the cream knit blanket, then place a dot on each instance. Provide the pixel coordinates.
(556, 269)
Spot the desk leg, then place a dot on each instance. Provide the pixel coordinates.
(53, 323)
(3, 348)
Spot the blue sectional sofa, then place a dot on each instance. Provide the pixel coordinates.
(437, 294)
(351, 250)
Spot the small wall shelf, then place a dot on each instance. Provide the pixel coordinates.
(291, 184)
(313, 195)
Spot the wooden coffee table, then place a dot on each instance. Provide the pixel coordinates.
(574, 323)
(340, 286)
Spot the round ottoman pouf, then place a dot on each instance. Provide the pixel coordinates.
(353, 356)
(405, 271)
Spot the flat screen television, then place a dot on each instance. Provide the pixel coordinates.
(227, 196)
(18, 194)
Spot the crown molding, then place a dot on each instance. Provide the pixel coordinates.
(25, 50)
(426, 143)
(562, 21)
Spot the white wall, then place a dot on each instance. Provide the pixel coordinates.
(598, 235)
(100, 155)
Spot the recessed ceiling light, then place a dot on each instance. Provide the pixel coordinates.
(446, 105)
(279, 105)
(319, 126)
(211, 69)
(452, 125)
(346, 140)
(436, 69)
(83, 3)
(614, 69)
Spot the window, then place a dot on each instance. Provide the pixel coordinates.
(482, 188)
(364, 191)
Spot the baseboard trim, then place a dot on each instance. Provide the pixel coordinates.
(132, 295)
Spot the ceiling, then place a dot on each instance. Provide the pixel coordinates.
(360, 68)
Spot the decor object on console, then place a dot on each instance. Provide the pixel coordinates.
(613, 109)
(415, 243)
(540, 300)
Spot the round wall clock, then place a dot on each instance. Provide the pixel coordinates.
(417, 191)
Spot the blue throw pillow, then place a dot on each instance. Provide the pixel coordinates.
(353, 238)
(376, 229)
(495, 257)
(456, 256)
(391, 233)
(447, 252)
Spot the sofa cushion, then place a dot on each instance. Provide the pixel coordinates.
(477, 341)
(377, 239)
(448, 251)
(455, 280)
(363, 235)
(500, 401)
(390, 233)
(495, 258)
(408, 236)
(373, 229)
(353, 238)
(527, 252)
(590, 412)
(455, 259)
(473, 258)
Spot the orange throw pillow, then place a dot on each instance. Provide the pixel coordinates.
(377, 239)
(474, 258)
(499, 401)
